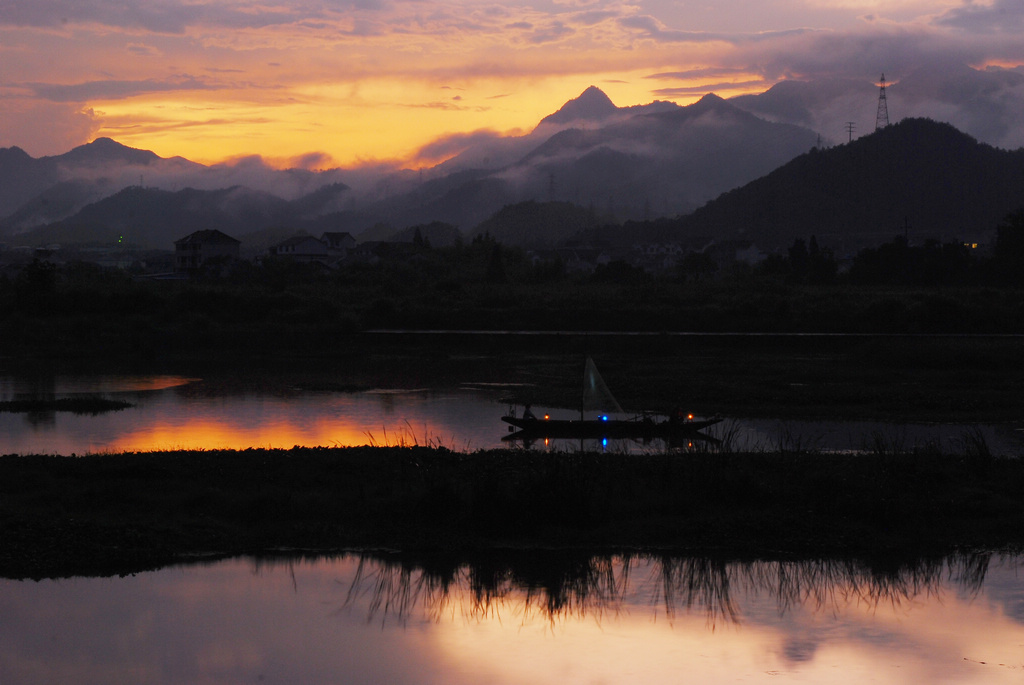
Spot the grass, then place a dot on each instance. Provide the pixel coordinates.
(113, 513)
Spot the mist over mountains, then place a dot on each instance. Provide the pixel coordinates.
(749, 168)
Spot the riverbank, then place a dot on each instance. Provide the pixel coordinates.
(120, 513)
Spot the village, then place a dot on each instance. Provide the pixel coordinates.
(208, 252)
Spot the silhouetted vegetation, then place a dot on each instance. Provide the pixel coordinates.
(898, 287)
(120, 512)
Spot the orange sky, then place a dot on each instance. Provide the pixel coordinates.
(368, 80)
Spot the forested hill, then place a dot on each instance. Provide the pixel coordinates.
(918, 177)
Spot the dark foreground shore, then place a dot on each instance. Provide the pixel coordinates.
(120, 513)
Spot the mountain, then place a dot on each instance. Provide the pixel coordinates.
(537, 224)
(634, 162)
(591, 105)
(56, 202)
(21, 178)
(51, 188)
(617, 163)
(104, 152)
(918, 177)
(630, 162)
(661, 162)
(594, 106)
(48, 190)
(154, 218)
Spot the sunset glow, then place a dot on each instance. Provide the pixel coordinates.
(369, 81)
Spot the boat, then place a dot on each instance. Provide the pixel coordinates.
(597, 398)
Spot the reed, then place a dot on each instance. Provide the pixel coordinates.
(114, 509)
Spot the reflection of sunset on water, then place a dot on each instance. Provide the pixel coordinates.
(201, 434)
(164, 416)
(936, 636)
(306, 621)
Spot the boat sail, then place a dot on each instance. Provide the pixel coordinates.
(596, 395)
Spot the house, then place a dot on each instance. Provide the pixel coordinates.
(338, 244)
(198, 248)
(302, 248)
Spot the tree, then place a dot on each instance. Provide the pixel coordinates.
(698, 265)
(495, 267)
(1008, 256)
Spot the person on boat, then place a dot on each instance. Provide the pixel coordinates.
(527, 414)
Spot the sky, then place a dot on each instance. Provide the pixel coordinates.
(325, 83)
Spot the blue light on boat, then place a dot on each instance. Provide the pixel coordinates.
(604, 442)
(604, 417)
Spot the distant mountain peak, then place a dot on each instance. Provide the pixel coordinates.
(710, 98)
(104, 150)
(591, 105)
(711, 102)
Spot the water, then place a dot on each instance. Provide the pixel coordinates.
(531, 616)
(604, 620)
(174, 412)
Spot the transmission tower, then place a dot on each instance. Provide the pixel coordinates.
(882, 118)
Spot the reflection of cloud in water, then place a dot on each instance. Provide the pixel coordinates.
(519, 617)
(799, 649)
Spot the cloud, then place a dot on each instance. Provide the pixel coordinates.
(824, 54)
(555, 30)
(985, 104)
(141, 49)
(1001, 16)
(159, 16)
(45, 128)
(705, 88)
(591, 17)
(486, 149)
(312, 161)
(649, 27)
(702, 73)
(448, 146)
(115, 90)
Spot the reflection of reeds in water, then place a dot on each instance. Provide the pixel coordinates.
(483, 589)
(558, 586)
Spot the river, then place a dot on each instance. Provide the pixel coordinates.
(170, 412)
